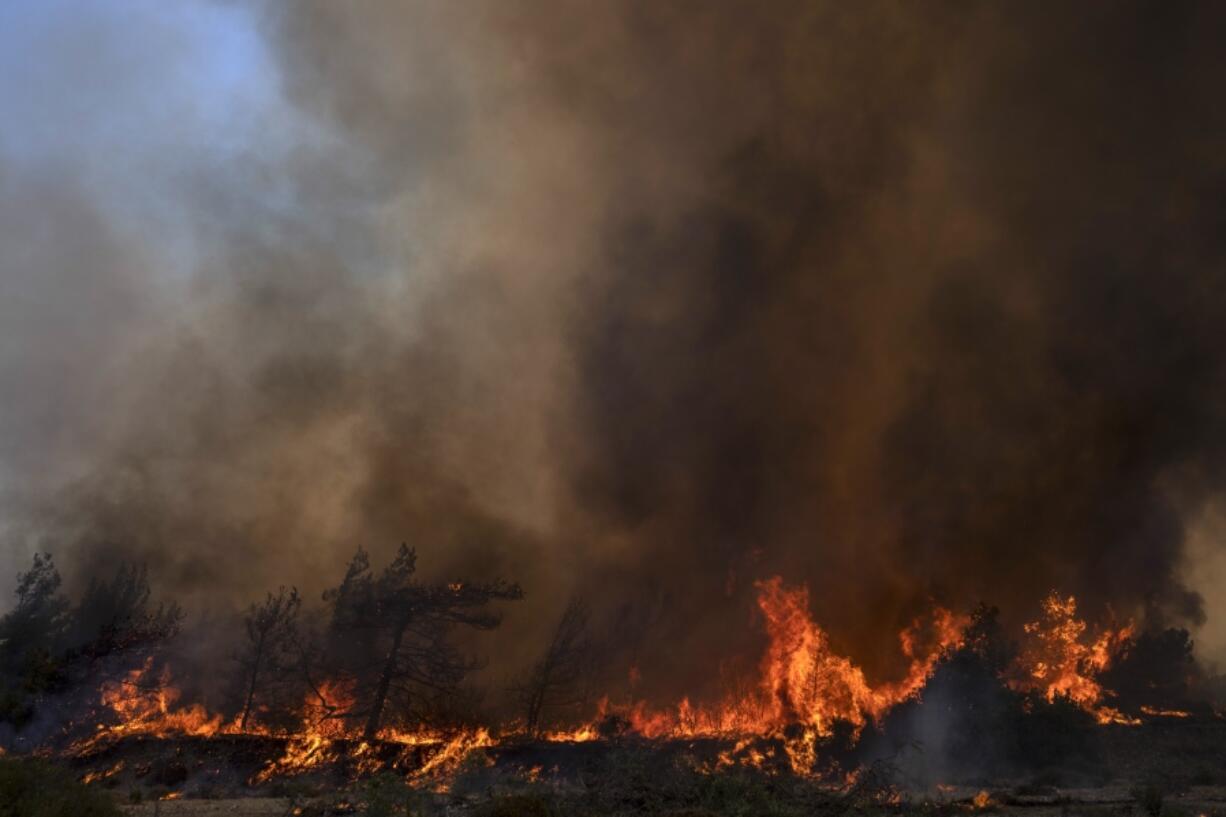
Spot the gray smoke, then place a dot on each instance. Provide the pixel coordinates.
(648, 301)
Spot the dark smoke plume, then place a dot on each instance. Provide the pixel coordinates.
(649, 300)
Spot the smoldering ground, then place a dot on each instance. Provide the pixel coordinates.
(646, 301)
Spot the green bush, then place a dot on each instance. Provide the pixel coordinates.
(387, 796)
(34, 788)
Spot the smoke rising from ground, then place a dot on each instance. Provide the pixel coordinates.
(648, 301)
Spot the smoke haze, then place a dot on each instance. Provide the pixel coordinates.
(640, 300)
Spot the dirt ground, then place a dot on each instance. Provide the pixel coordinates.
(1199, 801)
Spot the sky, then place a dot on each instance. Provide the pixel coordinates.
(115, 114)
(131, 98)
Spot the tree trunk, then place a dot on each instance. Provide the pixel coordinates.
(536, 700)
(374, 720)
(534, 710)
(255, 674)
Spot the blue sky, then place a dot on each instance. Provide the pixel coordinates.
(134, 99)
(77, 75)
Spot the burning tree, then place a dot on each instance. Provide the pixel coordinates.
(268, 652)
(389, 632)
(1061, 658)
(556, 680)
(48, 644)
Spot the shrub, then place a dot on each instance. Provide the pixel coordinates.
(1055, 733)
(1149, 798)
(34, 788)
(15, 707)
(386, 796)
(519, 805)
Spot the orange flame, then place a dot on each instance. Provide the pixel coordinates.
(144, 702)
(1058, 660)
(803, 688)
(802, 682)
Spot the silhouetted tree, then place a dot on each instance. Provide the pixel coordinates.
(394, 630)
(116, 615)
(267, 656)
(985, 639)
(1052, 733)
(47, 644)
(40, 618)
(1153, 669)
(558, 679)
(31, 641)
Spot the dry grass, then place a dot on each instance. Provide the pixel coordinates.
(243, 807)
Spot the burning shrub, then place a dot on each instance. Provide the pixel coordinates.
(969, 723)
(964, 723)
(1063, 657)
(50, 647)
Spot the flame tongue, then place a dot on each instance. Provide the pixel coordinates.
(1059, 661)
(144, 702)
(802, 681)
